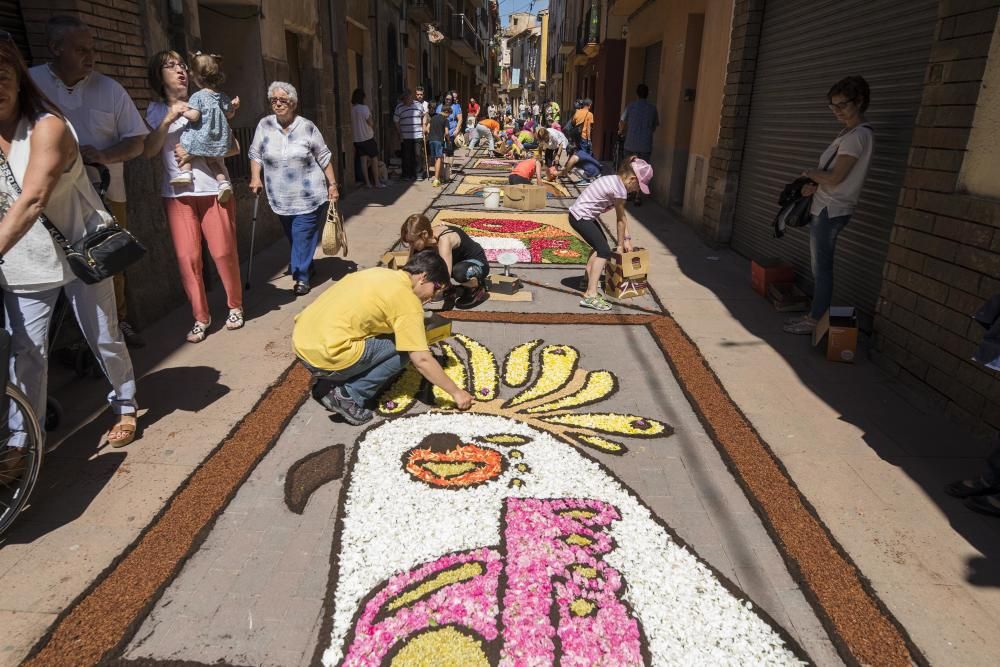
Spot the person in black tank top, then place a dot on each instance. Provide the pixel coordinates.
(465, 258)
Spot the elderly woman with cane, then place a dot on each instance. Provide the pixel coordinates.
(298, 177)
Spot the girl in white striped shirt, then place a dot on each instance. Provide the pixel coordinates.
(584, 216)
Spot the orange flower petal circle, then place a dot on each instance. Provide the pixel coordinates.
(458, 467)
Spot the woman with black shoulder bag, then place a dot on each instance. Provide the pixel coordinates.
(43, 184)
(835, 191)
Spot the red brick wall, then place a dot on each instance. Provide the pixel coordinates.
(944, 253)
(118, 30)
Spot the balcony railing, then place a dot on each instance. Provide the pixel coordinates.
(463, 30)
(464, 40)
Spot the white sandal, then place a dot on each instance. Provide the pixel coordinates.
(198, 331)
(235, 319)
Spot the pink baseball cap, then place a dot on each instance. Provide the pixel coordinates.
(644, 172)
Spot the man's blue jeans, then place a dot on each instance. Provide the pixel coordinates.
(823, 232)
(363, 380)
(304, 232)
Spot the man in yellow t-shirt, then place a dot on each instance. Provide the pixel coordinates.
(361, 333)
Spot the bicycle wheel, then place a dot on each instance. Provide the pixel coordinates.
(20, 456)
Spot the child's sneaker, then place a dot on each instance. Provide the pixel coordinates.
(225, 191)
(183, 178)
(595, 303)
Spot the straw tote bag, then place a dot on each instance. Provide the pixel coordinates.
(334, 236)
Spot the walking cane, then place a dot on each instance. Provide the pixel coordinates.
(253, 234)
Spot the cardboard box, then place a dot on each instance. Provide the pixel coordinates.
(395, 259)
(524, 197)
(625, 274)
(437, 328)
(628, 288)
(620, 287)
(501, 284)
(769, 270)
(633, 264)
(839, 326)
(787, 298)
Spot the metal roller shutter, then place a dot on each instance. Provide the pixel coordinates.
(12, 21)
(805, 47)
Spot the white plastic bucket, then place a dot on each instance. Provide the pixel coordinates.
(491, 197)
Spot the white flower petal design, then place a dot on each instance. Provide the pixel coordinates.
(393, 523)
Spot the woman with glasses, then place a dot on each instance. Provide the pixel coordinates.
(298, 177)
(42, 173)
(194, 210)
(835, 189)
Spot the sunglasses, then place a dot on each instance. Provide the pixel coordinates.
(839, 106)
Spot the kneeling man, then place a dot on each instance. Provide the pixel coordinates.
(361, 333)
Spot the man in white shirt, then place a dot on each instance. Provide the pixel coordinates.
(418, 95)
(107, 124)
(409, 119)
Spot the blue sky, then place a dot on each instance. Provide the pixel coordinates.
(508, 7)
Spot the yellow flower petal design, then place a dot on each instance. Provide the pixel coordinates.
(578, 540)
(517, 365)
(400, 396)
(581, 607)
(558, 365)
(455, 369)
(598, 386)
(509, 439)
(485, 373)
(612, 422)
(597, 442)
(443, 646)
